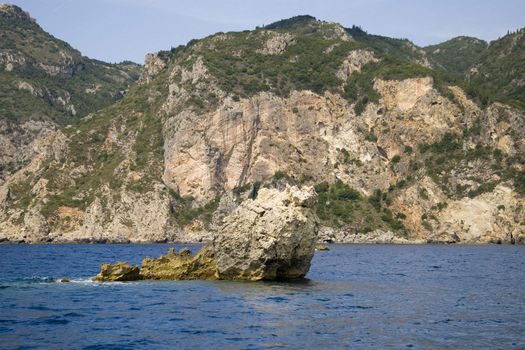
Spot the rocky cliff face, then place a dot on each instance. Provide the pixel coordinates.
(396, 151)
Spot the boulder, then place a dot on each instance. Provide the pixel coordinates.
(269, 238)
(119, 271)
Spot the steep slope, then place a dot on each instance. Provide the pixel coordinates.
(500, 74)
(457, 55)
(45, 82)
(395, 150)
(493, 72)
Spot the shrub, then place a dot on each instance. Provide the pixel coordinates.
(371, 137)
(427, 225)
(519, 182)
(396, 159)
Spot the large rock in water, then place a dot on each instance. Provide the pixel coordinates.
(271, 237)
(268, 238)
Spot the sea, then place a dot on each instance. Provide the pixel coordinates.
(354, 297)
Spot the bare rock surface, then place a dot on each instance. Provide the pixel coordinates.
(272, 237)
(277, 43)
(118, 272)
(354, 62)
(181, 266)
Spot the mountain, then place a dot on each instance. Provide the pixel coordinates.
(45, 82)
(385, 132)
(457, 55)
(491, 71)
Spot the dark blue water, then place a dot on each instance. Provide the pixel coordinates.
(422, 297)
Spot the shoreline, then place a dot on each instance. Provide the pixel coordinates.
(320, 242)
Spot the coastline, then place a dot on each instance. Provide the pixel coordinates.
(358, 243)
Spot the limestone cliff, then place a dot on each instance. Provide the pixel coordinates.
(397, 151)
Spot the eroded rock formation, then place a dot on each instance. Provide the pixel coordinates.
(270, 238)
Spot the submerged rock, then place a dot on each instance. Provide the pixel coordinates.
(321, 247)
(270, 237)
(119, 271)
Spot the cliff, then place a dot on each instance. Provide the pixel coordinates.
(395, 148)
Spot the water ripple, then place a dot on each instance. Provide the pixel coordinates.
(359, 297)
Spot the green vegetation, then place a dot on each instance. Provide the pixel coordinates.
(449, 155)
(55, 75)
(488, 73)
(457, 55)
(519, 182)
(123, 134)
(185, 211)
(102, 160)
(303, 66)
(400, 49)
(296, 22)
(340, 205)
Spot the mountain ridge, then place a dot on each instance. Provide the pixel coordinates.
(396, 149)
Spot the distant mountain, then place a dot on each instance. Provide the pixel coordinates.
(456, 56)
(383, 130)
(492, 71)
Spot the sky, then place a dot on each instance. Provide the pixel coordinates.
(117, 30)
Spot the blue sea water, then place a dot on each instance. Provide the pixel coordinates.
(356, 296)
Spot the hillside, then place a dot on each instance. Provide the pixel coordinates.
(45, 82)
(396, 150)
(491, 71)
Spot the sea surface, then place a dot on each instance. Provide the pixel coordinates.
(356, 296)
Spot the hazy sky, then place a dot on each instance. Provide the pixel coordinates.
(116, 30)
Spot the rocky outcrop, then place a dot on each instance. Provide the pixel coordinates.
(494, 217)
(213, 121)
(133, 218)
(354, 62)
(271, 237)
(250, 140)
(404, 95)
(276, 43)
(11, 12)
(181, 266)
(10, 60)
(153, 64)
(118, 272)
